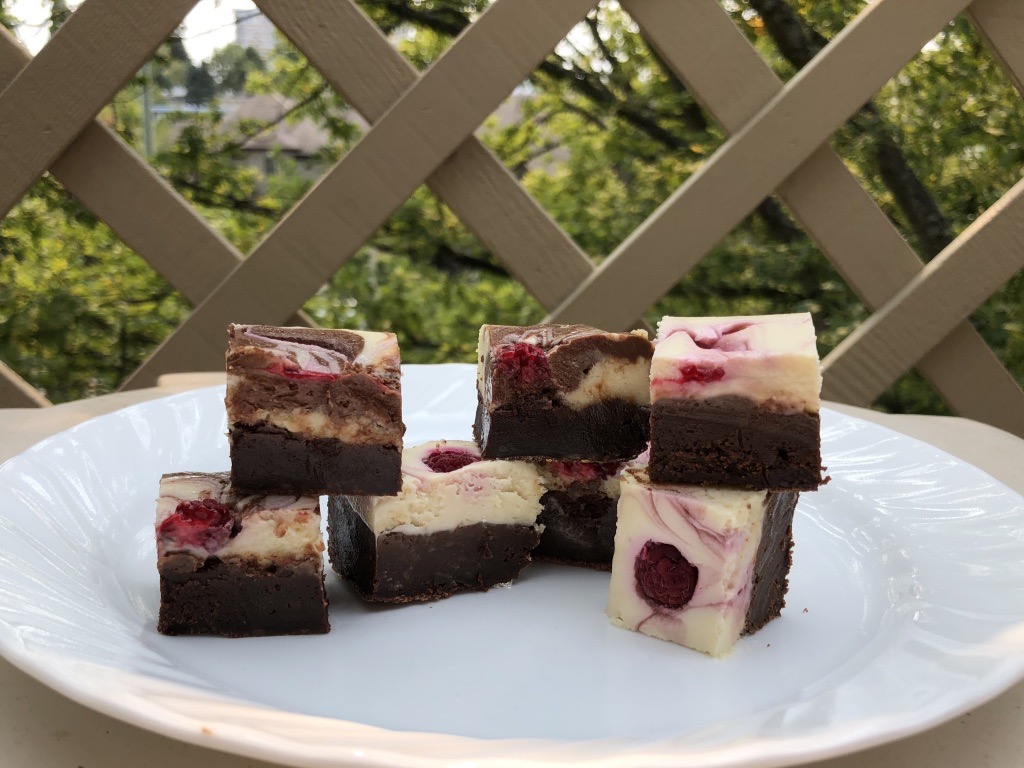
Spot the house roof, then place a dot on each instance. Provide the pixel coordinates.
(301, 137)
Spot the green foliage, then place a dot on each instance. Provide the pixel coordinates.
(200, 87)
(231, 66)
(76, 305)
(604, 135)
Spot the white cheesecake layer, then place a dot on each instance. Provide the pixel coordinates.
(493, 491)
(716, 530)
(769, 359)
(270, 528)
(612, 379)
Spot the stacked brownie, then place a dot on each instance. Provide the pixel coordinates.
(575, 401)
(559, 411)
(309, 412)
(697, 530)
(704, 538)
(235, 564)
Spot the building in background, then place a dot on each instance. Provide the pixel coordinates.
(254, 30)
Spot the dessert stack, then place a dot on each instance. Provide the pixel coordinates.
(696, 530)
(309, 412)
(574, 401)
(703, 544)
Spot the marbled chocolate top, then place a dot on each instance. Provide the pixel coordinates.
(769, 359)
(315, 350)
(252, 527)
(582, 364)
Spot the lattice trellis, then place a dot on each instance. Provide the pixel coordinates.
(422, 131)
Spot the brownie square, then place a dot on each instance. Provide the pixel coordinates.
(568, 392)
(237, 565)
(735, 401)
(699, 566)
(578, 514)
(460, 524)
(314, 411)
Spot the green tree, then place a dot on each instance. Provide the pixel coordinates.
(606, 134)
(231, 65)
(200, 87)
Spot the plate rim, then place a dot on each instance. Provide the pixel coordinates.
(250, 742)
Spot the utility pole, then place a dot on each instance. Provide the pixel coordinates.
(147, 109)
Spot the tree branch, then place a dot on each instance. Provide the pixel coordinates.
(248, 136)
(798, 43)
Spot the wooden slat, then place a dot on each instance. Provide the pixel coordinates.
(756, 160)
(1001, 25)
(951, 286)
(110, 179)
(823, 195)
(349, 204)
(77, 72)
(15, 392)
(359, 62)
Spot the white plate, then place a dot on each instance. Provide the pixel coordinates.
(906, 608)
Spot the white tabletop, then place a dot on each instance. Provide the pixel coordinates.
(40, 728)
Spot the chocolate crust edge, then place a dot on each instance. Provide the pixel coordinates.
(237, 599)
(774, 559)
(611, 430)
(401, 568)
(579, 529)
(734, 441)
(272, 460)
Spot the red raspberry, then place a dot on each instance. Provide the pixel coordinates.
(205, 524)
(664, 578)
(701, 373)
(449, 459)
(586, 470)
(525, 364)
(292, 371)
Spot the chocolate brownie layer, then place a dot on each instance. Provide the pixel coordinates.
(733, 441)
(399, 568)
(371, 410)
(579, 528)
(272, 460)
(774, 558)
(612, 430)
(240, 600)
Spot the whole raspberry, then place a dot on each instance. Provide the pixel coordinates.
(525, 364)
(201, 524)
(586, 470)
(701, 373)
(449, 459)
(292, 371)
(664, 578)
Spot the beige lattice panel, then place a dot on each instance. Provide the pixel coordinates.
(423, 132)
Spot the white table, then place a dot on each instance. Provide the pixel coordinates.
(42, 729)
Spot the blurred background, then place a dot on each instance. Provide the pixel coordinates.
(241, 125)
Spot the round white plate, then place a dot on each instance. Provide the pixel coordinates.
(906, 608)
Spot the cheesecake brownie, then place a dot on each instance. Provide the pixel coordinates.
(735, 401)
(699, 566)
(314, 411)
(567, 392)
(459, 524)
(578, 514)
(235, 564)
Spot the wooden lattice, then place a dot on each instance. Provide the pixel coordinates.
(422, 131)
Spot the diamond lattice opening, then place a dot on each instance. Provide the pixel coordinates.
(427, 278)
(79, 309)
